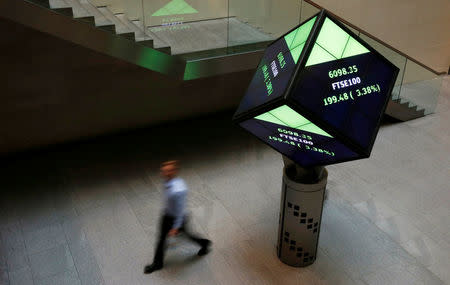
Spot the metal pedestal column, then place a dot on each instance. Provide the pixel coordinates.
(300, 215)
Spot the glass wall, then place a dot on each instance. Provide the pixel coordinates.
(307, 10)
(132, 9)
(421, 87)
(394, 57)
(254, 21)
(188, 26)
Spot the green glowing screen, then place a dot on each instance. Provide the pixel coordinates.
(287, 117)
(296, 39)
(318, 94)
(334, 43)
(175, 7)
(277, 67)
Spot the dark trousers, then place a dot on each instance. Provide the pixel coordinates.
(165, 227)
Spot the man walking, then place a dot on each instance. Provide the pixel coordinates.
(173, 220)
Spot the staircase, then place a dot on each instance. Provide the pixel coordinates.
(103, 18)
(404, 110)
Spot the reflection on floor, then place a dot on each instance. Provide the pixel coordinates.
(209, 34)
(88, 213)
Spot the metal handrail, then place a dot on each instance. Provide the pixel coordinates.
(377, 39)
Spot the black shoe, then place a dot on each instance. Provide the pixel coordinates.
(205, 249)
(152, 267)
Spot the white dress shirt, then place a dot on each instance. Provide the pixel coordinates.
(175, 194)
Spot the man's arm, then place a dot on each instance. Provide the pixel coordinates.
(178, 202)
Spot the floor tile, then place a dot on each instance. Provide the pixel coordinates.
(391, 275)
(12, 237)
(82, 253)
(38, 215)
(17, 259)
(44, 238)
(65, 278)
(21, 277)
(4, 278)
(399, 228)
(51, 262)
(424, 275)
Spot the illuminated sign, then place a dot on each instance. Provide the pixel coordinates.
(175, 7)
(318, 94)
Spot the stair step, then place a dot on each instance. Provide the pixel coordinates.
(64, 11)
(421, 111)
(42, 3)
(147, 43)
(139, 34)
(165, 49)
(158, 44)
(78, 9)
(100, 19)
(120, 27)
(129, 36)
(57, 4)
(401, 110)
(89, 19)
(108, 28)
(402, 102)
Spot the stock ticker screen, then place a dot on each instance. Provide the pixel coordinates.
(342, 86)
(293, 135)
(345, 85)
(276, 68)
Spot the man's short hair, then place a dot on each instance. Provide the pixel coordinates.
(174, 163)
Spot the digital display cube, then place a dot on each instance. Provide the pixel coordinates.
(318, 94)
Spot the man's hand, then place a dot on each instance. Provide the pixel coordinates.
(173, 232)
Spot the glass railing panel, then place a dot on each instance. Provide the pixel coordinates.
(126, 16)
(188, 25)
(357, 32)
(134, 9)
(129, 10)
(307, 10)
(421, 87)
(394, 57)
(259, 21)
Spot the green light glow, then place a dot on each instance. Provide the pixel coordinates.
(287, 117)
(299, 35)
(353, 48)
(156, 60)
(175, 7)
(334, 43)
(332, 38)
(296, 52)
(297, 38)
(319, 55)
(268, 117)
(192, 70)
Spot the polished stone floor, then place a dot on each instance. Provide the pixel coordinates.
(87, 213)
